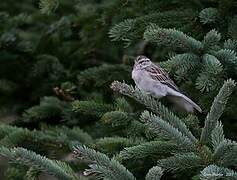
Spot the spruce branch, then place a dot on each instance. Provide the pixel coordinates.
(172, 38)
(152, 104)
(32, 174)
(160, 126)
(6, 130)
(225, 153)
(115, 144)
(121, 104)
(116, 118)
(209, 15)
(102, 166)
(60, 136)
(62, 26)
(22, 156)
(212, 64)
(21, 19)
(181, 162)
(210, 77)
(228, 58)
(154, 173)
(48, 6)
(71, 134)
(126, 121)
(192, 122)
(20, 135)
(217, 135)
(183, 64)
(216, 111)
(153, 148)
(91, 107)
(211, 40)
(131, 30)
(50, 66)
(232, 25)
(103, 75)
(15, 138)
(49, 107)
(120, 30)
(215, 172)
(137, 128)
(230, 44)
(14, 172)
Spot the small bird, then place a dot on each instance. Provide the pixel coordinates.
(152, 79)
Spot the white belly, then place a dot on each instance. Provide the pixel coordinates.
(144, 82)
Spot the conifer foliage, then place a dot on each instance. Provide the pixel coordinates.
(69, 109)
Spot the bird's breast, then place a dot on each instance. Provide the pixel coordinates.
(141, 79)
(147, 84)
(137, 75)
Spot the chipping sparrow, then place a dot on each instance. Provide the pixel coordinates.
(152, 79)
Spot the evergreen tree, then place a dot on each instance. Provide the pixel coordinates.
(60, 119)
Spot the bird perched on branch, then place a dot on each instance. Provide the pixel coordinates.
(151, 78)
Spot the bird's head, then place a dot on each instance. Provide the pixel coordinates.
(142, 62)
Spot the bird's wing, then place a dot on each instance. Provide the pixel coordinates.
(158, 74)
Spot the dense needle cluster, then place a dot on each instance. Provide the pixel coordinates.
(69, 108)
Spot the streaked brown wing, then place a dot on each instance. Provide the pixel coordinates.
(158, 74)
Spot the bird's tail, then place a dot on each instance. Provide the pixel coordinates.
(185, 103)
(192, 103)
